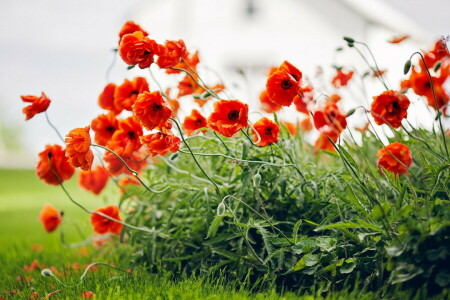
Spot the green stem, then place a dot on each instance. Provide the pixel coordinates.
(368, 64)
(197, 83)
(54, 128)
(375, 61)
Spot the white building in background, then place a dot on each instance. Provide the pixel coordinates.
(63, 48)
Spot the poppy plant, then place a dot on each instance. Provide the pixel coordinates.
(130, 27)
(106, 98)
(284, 84)
(134, 160)
(78, 148)
(38, 105)
(193, 122)
(228, 117)
(127, 136)
(267, 105)
(323, 142)
(171, 54)
(341, 79)
(53, 161)
(390, 108)
(161, 143)
(104, 225)
(94, 180)
(152, 110)
(395, 158)
(50, 218)
(136, 49)
(267, 130)
(329, 119)
(104, 127)
(127, 93)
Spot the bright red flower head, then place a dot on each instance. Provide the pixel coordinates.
(330, 119)
(53, 158)
(78, 148)
(301, 103)
(267, 130)
(228, 117)
(267, 105)
(94, 180)
(323, 142)
(50, 218)
(341, 78)
(127, 93)
(171, 54)
(103, 225)
(134, 160)
(130, 27)
(194, 121)
(127, 136)
(390, 108)
(395, 158)
(106, 98)
(136, 49)
(291, 127)
(152, 110)
(38, 105)
(161, 143)
(306, 124)
(438, 52)
(104, 127)
(284, 84)
(421, 85)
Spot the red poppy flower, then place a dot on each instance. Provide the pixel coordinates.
(301, 103)
(399, 39)
(124, 182)
(267, 105)
(94, 180)
(171, 54)
(53, 158)
(38, 105)
(330, 119)
(103, 225)
(151, 110)
(306, 124)
(267, 130)
(284, 84)
(191, 59)
(438, 52)
(78, 148)
(228, 117)
(134, 160)
(106, 98)
(87, 295)
(291, 127)
(194, 121)
(323, 142)
(395, 158)
(136, 49)
(390, 108)
(378, 73)
(130, 27)
(335, 98)
(127, 136)
(187, 86)
(160, 143)
(104, 127)
(50, 218)
(127, 93)
(341, 78)
(218, 88)
(421, 85)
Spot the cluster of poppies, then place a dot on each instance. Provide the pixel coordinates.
(138, 122)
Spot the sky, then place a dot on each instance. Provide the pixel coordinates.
(64, 48)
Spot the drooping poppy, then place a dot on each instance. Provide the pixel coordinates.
(341, 79)
(267, 130)
(187, 86)
(104, 225)
(228, 117)
(53, 160)
(395, 158)
(421, 85)
(106, 98)
(390, 108)
(127, 93)
(127, 136)
(78, 148)
(136, 49)
(38, 105)
(50, 218)
(438, 52)
(135, 160)
(130, 27)
(190, 61)
(171, 54)
(152, 110)
(267, 105)
(104, 127)
(398, 39)
(94, 180)
(329, 119)
(160, 143)
(194, 121)
(284, 84)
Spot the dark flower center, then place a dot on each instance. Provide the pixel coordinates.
(268, 131)
(295, 77)
(233, 115)
(393, 107)
(156, 107)
(286, 84)
(134, 93)
(110, 129)
(131, 135)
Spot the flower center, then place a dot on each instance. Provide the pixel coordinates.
(286, 84)
(268, 131)
(393, 107)
(110, 129)
(131, 135)
(233, 115)
(156, 107)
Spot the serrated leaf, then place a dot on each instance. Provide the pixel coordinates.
(347, 268)
(215, 224)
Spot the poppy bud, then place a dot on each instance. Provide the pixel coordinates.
(351, 112)
(348, 39)
(407, 67)
(46, 272)
(437, 66)
(257, 180)
(221, 209)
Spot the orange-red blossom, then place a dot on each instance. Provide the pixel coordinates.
(78, 148)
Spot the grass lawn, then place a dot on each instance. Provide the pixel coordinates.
(22, 196)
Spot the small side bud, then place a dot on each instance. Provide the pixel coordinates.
(407, 67)
(351, 112)
(257, 180)
(348, 39)
(437, 66)
(130, 67)
(46, 272)
(339, 49)
(221, 209)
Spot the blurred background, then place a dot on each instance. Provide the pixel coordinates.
(64, 48)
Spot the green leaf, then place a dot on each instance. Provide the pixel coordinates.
(325, 243)
(442, 279)
(215, 224)
(304, 246)
(347, 267)
(295, 230)
(130, 67)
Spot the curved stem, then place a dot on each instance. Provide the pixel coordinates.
(214, 94)
(54, 128)
(375, 62)
(368, 64)
(111, 65)
(158, 84)
(195, 159)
